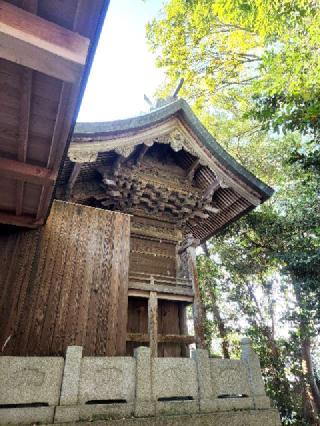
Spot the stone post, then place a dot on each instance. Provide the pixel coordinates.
(201, 356)
(255, 377)
(144, 403)
(68, 409)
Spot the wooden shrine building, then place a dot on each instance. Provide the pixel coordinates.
(99, 224)
(114, 266)
(180, 188)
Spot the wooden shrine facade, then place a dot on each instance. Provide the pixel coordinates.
(114, 267)
(179, 187)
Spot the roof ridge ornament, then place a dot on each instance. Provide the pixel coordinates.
(168, 100)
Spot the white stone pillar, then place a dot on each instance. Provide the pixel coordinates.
(201, 356)
(255, 377)
(144, 403)
(68, 410)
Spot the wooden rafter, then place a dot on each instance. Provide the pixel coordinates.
(60, 134)
(49, 54)
(12, 219)
(25, 105)
(26, 172)
(192, 169)
(26, 89)
(73, 177)
(41, 45)
(141, 154)
(67, 103)
(211, 189)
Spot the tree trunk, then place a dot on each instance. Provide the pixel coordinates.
(217, 315)
(199, 312)
(277, 366)
(220, 324)
(311, 394)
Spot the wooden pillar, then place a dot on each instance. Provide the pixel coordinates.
(183, 329)
(153, 323)
(189, 246)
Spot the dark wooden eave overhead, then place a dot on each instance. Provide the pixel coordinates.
(228, 189)
(46, 50)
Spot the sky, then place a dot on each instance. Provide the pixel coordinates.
(123, 69)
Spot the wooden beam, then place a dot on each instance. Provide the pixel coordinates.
(176, 338)
(60, 133)
(26, 90)
(212, 188)
(164, 296)
(41, 45)
(141, 153)
(138, 337)
(67, 103)
(169, 289)
(162, 338)
(26, 172)
(192, 169)
(24, 121)
(153, 323)
(25, 220)
(212, 209)
(73, 177)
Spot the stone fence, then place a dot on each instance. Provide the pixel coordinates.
(53, 389)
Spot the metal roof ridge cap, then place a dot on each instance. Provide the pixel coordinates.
(130, 122)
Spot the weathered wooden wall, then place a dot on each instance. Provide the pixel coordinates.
(65, 284)
(152, 256)
(169, 323)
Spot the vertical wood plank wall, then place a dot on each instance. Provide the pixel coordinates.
(66, 283)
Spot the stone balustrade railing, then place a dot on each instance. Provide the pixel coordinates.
(53, 389)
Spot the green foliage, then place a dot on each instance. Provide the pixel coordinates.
(251, 70)
(232, 51)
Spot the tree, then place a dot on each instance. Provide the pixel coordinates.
(251, 72)
(232, 50)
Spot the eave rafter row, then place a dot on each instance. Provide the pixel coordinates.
(84, 150)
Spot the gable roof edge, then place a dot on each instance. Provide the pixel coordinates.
(181, 107)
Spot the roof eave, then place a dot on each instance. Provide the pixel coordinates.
(91, 53)
(178, 107)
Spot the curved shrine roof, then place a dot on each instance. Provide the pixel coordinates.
(234, 190)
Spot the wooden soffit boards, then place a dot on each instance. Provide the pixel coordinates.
(46, 50)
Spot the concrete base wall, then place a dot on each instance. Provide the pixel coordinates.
(240, 418)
